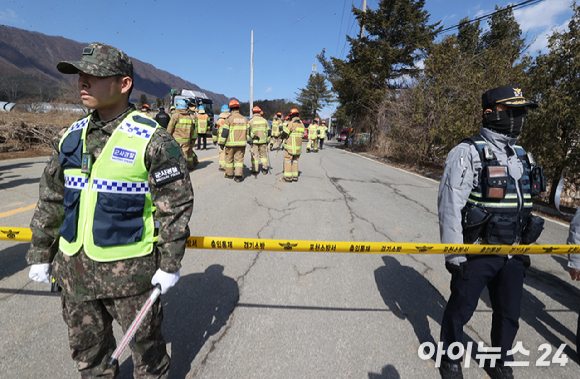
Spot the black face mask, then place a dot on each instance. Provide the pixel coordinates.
(509, 122)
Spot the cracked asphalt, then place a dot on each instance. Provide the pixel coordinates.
(259, 314)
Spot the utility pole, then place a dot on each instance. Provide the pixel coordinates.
(252, 75)
(330, 118)
(313, 103)
(362, 27)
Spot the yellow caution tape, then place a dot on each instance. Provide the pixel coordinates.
(256, 244)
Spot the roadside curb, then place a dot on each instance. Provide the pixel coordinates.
(550, 211)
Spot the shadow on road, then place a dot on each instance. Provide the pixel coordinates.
(202, 165)
(13, 259)
(409, 296)
(534, 311)
(388, 372)
(197, 308)
(8, 174)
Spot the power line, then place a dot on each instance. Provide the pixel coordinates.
(524, 4)
(340, 30)
(349, 31)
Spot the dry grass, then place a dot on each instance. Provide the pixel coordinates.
(22, 131)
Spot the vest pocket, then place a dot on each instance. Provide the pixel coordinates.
(118, 219)
(71, 151)
(68, 229)
(502, 230)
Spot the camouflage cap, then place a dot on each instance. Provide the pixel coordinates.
(99, 59)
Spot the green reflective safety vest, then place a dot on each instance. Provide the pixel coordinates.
(295, 130)
(109, 212)
(201, 124)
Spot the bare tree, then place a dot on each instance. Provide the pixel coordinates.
(11, 88)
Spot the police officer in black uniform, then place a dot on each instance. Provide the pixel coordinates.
(485, 198)
(162, 118)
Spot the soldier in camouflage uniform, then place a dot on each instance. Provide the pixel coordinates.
(106, 273)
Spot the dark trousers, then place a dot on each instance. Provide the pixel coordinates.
(321, 142)
(504, 279)
(204, 138)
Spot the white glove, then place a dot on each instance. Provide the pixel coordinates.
(39, 272)
(165, 279)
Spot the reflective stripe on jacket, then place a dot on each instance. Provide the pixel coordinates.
(182, 126)
(258, 128)
(510, 202)
(276, 126)
(313, 131)
(295, 131)
(237, 125)
(202, 123)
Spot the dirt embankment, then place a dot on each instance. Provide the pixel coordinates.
(25, 135)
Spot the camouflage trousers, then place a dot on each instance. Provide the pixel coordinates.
(91, 340)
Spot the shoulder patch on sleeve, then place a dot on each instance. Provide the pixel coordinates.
(167, 175)
(174, 150)
(145, 120)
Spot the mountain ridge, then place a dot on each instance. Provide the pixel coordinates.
(25, 54)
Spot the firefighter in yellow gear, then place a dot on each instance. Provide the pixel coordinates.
(276, 129)
(225, 113)
(313, 137)
(202, 123)
(233, 137)
(322, 133)
(259, 134)
(292, 135)
(182, 127)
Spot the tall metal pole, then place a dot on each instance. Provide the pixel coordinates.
(330, 119)
(252, 77)
(362, 27)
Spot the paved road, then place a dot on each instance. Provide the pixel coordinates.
(292, 315)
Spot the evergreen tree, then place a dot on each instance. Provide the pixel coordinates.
(143, 99)
(503, 46)
(313, 97)
(469, 37)
(553, 130)
(397, 37)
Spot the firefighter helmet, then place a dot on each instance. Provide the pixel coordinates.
(234, 104)
(180, 104)
(225, 108)
(294, 111)
(256, 109)
(201, 109)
